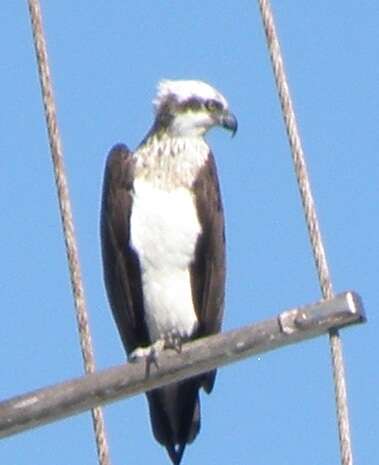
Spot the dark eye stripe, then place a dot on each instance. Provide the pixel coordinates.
(193, 104)
(196, 104)
(213, 105)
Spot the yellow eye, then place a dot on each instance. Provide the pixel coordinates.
(213, 106)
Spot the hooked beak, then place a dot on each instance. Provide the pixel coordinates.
(229, 121)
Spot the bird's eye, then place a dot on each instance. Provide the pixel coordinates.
(212, 105)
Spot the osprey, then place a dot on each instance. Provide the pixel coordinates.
(163, 245)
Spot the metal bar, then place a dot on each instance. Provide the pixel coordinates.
(69, 398)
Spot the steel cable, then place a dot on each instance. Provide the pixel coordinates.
(312, 224)
(66, 217)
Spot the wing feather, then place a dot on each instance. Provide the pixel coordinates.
(208, 269)
(121, 267)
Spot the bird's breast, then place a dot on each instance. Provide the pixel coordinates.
(164, 232)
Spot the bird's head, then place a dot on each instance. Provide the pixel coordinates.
(191, 108)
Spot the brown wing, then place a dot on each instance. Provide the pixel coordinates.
(208, 269)
(121, 267)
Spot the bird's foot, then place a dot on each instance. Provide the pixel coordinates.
(149, 354)
(173, 341)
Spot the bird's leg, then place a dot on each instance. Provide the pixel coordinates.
(149, 354)
(174, 341)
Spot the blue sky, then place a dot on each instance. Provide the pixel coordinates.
(106, 58)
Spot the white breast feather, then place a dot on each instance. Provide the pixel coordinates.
(164, 230)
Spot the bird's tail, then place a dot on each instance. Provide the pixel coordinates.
(175, 415)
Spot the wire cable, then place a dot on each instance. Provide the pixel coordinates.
(66, 217)
(312, 224)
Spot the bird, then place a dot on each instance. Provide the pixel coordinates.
(163, 245)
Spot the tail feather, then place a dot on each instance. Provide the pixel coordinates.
(176, 453)
(175, 416)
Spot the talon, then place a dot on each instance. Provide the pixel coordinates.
(149, 354)
(174, 341)
(137, 355)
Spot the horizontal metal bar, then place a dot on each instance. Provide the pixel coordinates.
(62, 400)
